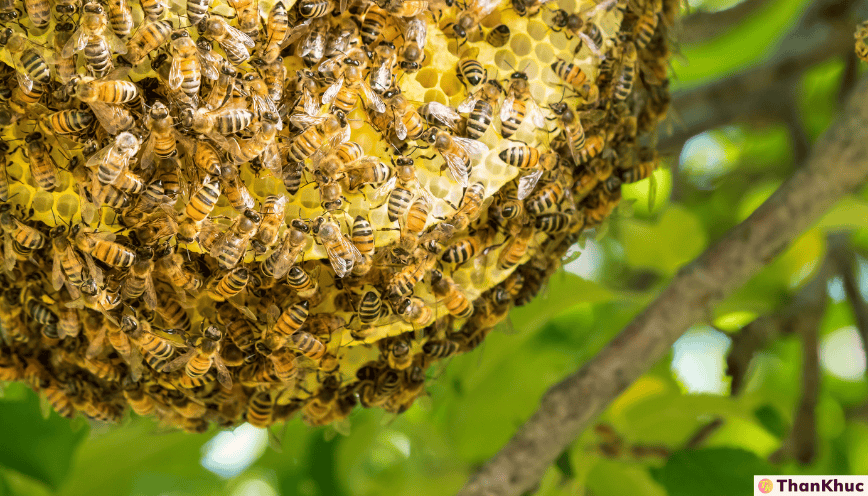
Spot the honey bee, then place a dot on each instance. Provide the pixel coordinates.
(498, 36)
(627, 73)
(403, 188)
(343, 36)
(230, 247)
(68, 324)
(153, 9)
(155, 346)
(288, 323)
(415, 311)
(647, 24)
(404, 281)
(397, 352)
(572, 129)
(313, 9)
(197, 10)
(470, 207)
(303, 284)
(247, 13)
(384, 62)
(204, 352)
(518, 104)
(217, 123)
(344, 93)
(259, 94)
(148, 38)
(472, 15)
(260, 410)
(112, 161)
(311, 48)
(412, 387)
(639, 170)
(138, 283)
(196, 211)
(412, 53)
(528, 7)
(30, 66)
(229, 285)
(481, 105)
(39, 12)
(274, 76)
(98, 245)
(187, 68)
(548, 196)
(467, 248)
(576, 25)
(96, 40)
(233, 42)
(120, 17)
(451, 295)
(103, 97)
(59, 398)
(111, 331)
(69, 121)
(279, 262)
(373, 25)
(272, 213)
(341, 252)
(19, 238)
(4, 178)
(457, 152)
(371, 308)
(594, 144)
(276, 29)
(235, 189)
(440, 349)
(261, 146)
(515, 248)
(569, 72)
(471, 71)
(43, 170)
(239, 330)
(283, 360)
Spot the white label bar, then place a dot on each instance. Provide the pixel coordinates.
(764, 485)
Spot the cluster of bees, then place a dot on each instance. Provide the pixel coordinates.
(260, 225)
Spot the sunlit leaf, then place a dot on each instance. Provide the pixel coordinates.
(710, 471)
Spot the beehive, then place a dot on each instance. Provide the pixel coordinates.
(76, 342)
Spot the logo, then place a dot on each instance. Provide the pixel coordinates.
(765, 486)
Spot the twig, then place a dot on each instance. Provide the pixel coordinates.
(759, 93)
(845, 259)
(704, 432)
(838, 164)
(801, 443)
(804, 308)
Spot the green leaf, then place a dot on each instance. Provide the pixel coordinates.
(771, 419)
(710, 472)
(677, 238)
(37, 447)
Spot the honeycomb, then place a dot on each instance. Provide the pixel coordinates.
(111, 303)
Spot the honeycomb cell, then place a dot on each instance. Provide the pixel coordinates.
(521, 44)
(427, 77)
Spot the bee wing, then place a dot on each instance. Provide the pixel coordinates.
(527, 184)
(343, 6)
(296, 34)
(485, 7)
(373, 99)
(148, 152)
(57, 277)
(475, 148)
(304, 121)
(241, 38)
(223, 375)
(96, 345)
(209, 64)
(116, 45)
(400, 128)
(94, 271)
(150, 294)
(271, 161)
(176, 77)
(76, 43)
(23, 80)
(385, 188)
(107, 115)
(180, 361)
(456, 168)
(9, 258)
(574, 152)
(340, 137)
(468, 103)
(444, 113)
(506, 109)
(341, 266)
(536, 113)
(332, 91)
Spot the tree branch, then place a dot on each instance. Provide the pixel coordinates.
(846, 267)
(703, 26)
(761, 93)
(838, 164)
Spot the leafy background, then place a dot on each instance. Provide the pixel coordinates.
(480, 398)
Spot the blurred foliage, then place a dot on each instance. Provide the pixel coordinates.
(479, 399)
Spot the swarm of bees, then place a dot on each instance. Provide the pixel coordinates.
(225, 212)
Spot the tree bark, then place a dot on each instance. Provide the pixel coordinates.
(837, 165)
